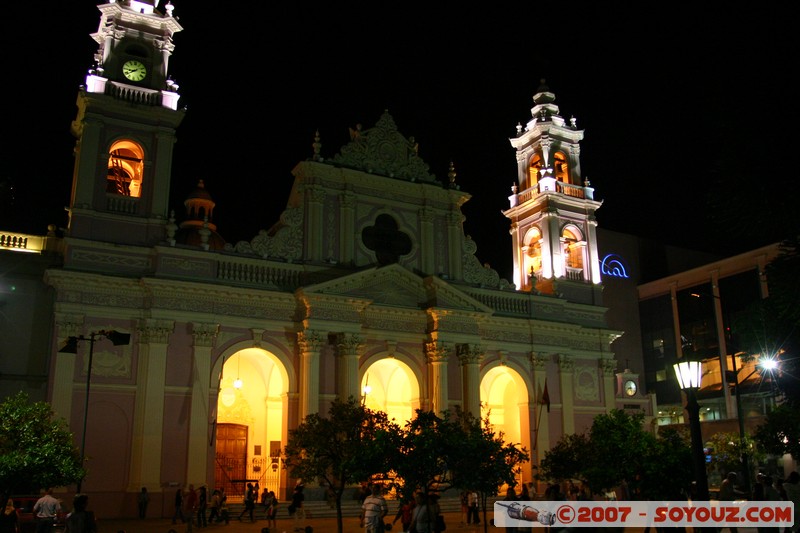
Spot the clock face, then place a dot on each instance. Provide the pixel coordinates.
(630, 388)
(134, 70)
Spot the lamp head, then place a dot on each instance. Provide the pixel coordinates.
(117, 338)
(689, 373)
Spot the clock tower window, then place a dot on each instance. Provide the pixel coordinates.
(125, 169)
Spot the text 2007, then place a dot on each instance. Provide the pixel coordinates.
(603, 514)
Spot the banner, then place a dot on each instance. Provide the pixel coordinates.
(643, 513)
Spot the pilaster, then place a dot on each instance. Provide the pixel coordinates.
(436, 354)
(310, 343)
(204, 335)
(470, 357)
(349, 347)
(566, 367)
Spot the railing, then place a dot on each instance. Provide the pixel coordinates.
(22, 242)
(576, 191)
(260, 274)
(133, 94)
(574, 274)
(266, 471)
(122, 204)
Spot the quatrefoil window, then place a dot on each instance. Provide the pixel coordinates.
(388, 242)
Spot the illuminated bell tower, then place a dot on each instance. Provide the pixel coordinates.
(552, 209)
(125, 128)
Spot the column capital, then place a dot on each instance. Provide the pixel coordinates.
(204, 334)
(310, 340)
(565, 364)
(437, 351)
(470, 354)
(538, 361)
(608, 366)
(349, 344)
(155, 331)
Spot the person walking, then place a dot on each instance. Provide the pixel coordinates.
(473, 516)
(373, 510)
(202, 505)
(214, 505)
(190, 507)
(404, 513)
(46, 510)
(143, 500)
(296, 508)
(249, 502)
(272, 510)
(422, 519)
(178, 507)
(80, 520)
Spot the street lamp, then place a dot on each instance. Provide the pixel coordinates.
(732, 376)
(71, 346)
(690, 374)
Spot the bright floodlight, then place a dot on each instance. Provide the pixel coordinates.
(768, 364)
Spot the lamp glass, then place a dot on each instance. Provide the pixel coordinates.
(689, 374)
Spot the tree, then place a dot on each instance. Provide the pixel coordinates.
(780, 432)
(653, 468)
(481, 460)
(36, 449)
(350, 445)
(422, 459)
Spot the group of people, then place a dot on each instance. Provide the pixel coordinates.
(469, 508)
(46, 510)
(193, 507)
(419, 513)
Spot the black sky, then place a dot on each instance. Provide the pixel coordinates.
(672, 100)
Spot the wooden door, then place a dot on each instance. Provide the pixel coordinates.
(230, 467)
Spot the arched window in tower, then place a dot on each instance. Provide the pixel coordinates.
(561, 167)
(532, 258)
(574, 246)
(533, 171)
(125, 169)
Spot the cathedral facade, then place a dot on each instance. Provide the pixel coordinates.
(365, 286)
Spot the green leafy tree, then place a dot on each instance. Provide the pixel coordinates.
(36, 449)
(728, 448)
(422, 458)
(350, 445)
(780, 432)
(653, 467)
(481, 459)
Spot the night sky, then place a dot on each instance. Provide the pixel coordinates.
(672, 103)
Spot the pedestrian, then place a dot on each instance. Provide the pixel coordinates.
(223, 507)
(202, 505)
(525, 496)
(178, 507)
(142, 502)
(46, 510)
(214, 505)
(272, 510)
(404, 513)
(9, 521)
(80, 520)
(296, 508)
(250, 496)
(190, 507)
(464, 497)
(771, 494)
(422, 519)
(728, 493)
(472, 514)
(373, 510)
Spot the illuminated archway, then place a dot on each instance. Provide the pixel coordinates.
(125, 169)
(251, 407)
(389, 385)
(505, 401)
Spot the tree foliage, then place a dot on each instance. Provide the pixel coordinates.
(36, 449)
(650, 467)
(780, 432)
(350, 445)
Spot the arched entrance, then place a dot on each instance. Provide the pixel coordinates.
(389, 385)
(250, 424)
(505, 400)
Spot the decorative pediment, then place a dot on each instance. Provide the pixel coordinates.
(393, 285)
(384, 151)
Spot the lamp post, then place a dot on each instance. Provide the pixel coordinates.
(690, 374)
(733, 377)
(71, 346)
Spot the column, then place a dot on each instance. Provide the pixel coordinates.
(316, 226)
(199, 421)
(470, 358)
(541, 427)
(722, 342)
(347, 202)
(455, 243)
(64, 371)
(436, 353)
(148, 414)
(608, 368)
(310, 343)
(565, 372)
(426, 240)
(348, 349)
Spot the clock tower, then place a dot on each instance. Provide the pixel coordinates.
(551, 207)
(125, 127)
